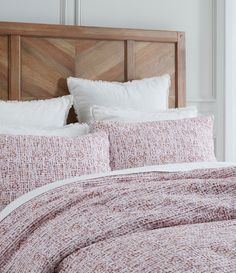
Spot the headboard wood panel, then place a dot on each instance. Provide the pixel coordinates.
(36, 59)
(4, 58)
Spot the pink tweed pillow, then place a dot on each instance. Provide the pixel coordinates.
(28, 162)
(159, 142)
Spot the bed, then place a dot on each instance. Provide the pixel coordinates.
(161, 218)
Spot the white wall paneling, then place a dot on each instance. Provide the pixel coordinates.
(202, 20)
(43, 11)
(230, 80)
(63, 12)
(70, 12)
(78, 12)
(32, 11)
(220, 75)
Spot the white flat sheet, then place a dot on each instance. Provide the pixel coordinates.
(181, 167)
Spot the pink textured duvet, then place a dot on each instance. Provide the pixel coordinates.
(149, 222)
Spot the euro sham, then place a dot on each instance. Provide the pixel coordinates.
(36, 113)
(159, 142)
(28, 162)
(70, 130)
(150, 94)
(102, 113)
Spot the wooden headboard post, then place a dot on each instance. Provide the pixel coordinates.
(36, 59)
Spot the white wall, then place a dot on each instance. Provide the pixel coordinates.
(200, 19)
(34, 11)
(230, 80)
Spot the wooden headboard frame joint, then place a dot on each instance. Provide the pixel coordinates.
(15, 67)
(180, 71)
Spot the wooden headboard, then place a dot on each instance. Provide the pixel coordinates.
(36, 59)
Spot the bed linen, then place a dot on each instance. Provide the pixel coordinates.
(154, 219)
(70, 130)
(149, 94)
(36, 113)
(103, 113)
(28, 162)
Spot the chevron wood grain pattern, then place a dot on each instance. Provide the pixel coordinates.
(100, 60)
(36, 59)
(4, 67)
(153, 59)
(46, 63)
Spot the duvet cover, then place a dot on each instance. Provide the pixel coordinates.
(149, 221)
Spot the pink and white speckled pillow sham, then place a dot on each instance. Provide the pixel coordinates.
(159, 142)
(28, 162)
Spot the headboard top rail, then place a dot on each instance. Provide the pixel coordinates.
(68, 31)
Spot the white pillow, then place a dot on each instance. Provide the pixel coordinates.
(70, 130)
(36, 113)
(149, 94)
(101, 113)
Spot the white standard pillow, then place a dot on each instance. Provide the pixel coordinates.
(147, 95)
(101, 113)
(36, 113)
(70, 130)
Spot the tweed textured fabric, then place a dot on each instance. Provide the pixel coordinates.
(28, 162)
(149, 222)
(159, 142)
(189, 252)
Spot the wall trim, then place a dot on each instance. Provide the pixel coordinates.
(216, 102)
(63, 12)
(202, 100)
(219, 45)
(214, 49)
(70, 12)
(78, 12)
(230, 82)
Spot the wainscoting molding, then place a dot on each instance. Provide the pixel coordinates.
(70, 12)
(63, 12)
(219, 44)
(215, 104)
(214, 49)
(230, 82)
(213, 97)
(78, 12)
